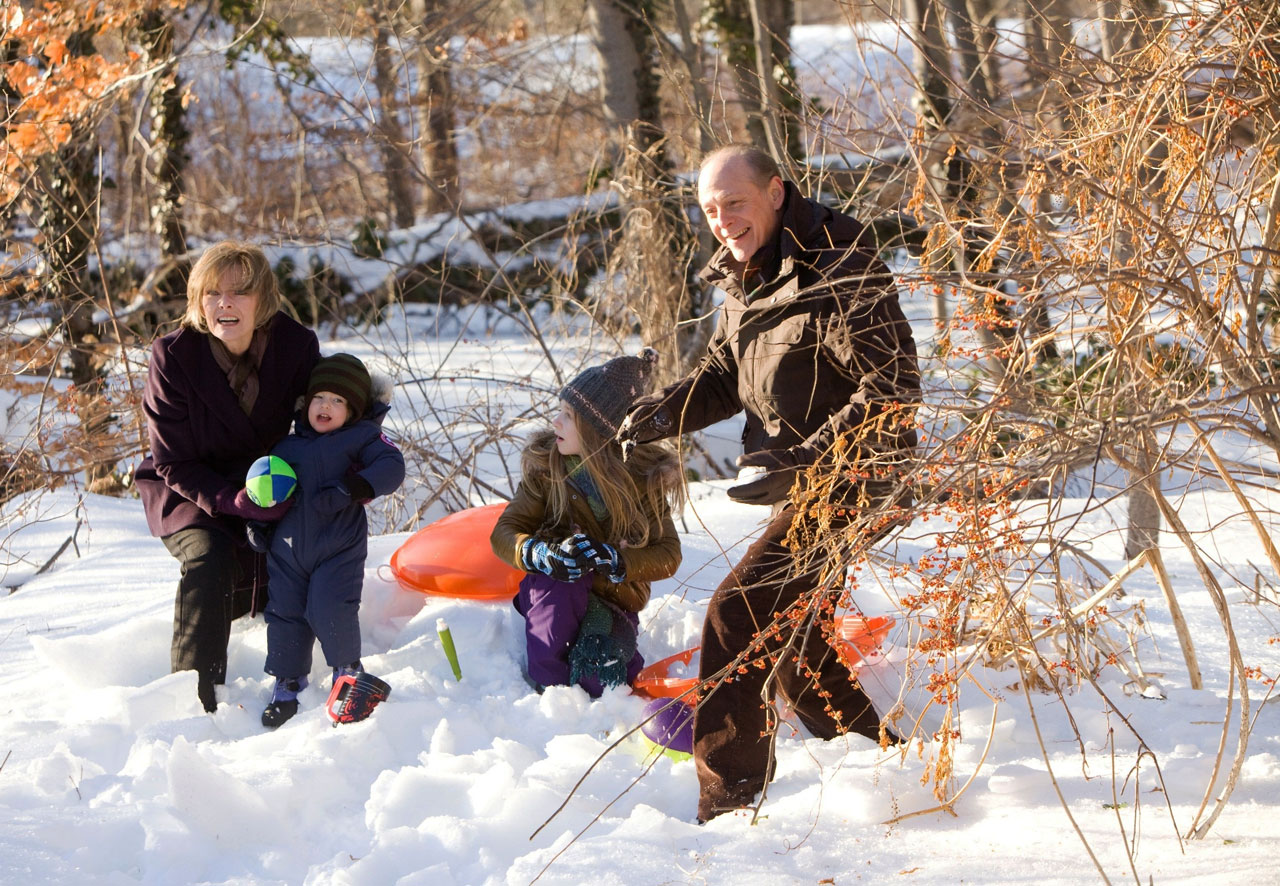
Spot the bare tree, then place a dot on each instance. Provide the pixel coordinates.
(621, 31)
(435, 103)
(10, 99)
(974, 40)
(67, 198)
(1127, 25)
(393, 142)
(652, 260)
(754, 37)
(168, 131)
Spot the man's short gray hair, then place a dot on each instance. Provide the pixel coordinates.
(763, 167)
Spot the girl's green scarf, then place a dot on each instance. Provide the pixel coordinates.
(582, 479)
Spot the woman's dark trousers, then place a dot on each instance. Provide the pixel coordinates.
(216, 586)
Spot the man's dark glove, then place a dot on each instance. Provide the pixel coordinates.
(647, 421)
(233, 502)
(259, 535)
(781, 466)
(601, 556)
(562, 561)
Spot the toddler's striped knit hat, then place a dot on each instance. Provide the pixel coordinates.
(344, 375)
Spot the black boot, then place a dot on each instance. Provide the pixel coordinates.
(208, 696)
(284, 701)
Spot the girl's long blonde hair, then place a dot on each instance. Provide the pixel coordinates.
(629, 507)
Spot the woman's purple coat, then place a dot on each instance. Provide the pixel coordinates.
(201, 440)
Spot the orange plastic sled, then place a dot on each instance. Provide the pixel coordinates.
(656, 681)
(452, 558)
(856, 639)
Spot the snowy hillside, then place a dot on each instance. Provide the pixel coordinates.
(113, 774)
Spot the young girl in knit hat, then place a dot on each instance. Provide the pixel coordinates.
(317, 551)
(591, 531)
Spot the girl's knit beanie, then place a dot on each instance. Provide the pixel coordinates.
(602, 395)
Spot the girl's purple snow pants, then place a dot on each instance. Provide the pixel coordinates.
(553, 612)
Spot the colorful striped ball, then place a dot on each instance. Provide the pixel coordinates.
(270, 481)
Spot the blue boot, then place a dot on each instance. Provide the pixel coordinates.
(353, 669)
(284, 701)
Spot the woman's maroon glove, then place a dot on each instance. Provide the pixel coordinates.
(236, 503)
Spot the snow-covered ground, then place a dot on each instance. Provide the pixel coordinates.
(112, 773)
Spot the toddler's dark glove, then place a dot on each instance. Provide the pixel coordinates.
(236, 503)
(561, 562)
(603, 557)
(782, 466)
(353, 489)
(259, 535)
(332, 499)
(647, 421)
(359, 487)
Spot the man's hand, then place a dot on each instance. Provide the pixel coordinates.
(781, 466)
(647, 421)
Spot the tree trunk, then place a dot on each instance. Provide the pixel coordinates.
(983, 14)
(1144, 508)
(9, 100)
(931, 65)
(931, 102)
(691, 55)
(1049, 38)
(1127, 25)
(436, 109)
(169, 136)
(657, 245)
(780, 101)
(628, 85)
(392, 143)
(66, 214)
(972, 49)
(66, 221)
(742, 26)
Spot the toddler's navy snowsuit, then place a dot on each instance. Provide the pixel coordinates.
(316, 560)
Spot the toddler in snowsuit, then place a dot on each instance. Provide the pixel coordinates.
(317, 551)
(591, 531)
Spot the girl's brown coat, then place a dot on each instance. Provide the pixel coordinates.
(527, 515)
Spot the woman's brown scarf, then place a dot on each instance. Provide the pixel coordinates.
(242, 371)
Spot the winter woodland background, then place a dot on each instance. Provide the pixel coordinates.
(1081, 203)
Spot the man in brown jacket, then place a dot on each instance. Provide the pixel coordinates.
(812, 345)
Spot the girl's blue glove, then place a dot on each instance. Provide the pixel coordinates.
(561, 562)
(598, 555)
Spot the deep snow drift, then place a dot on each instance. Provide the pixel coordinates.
(113, 774)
